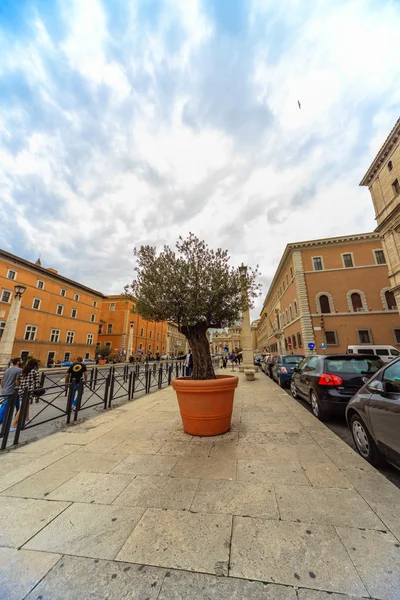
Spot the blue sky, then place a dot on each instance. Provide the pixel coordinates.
(124, 123)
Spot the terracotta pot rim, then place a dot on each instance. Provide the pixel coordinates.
(222, 382)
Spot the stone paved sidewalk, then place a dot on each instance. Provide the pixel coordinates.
(128, 506)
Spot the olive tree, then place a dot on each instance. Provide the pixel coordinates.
(194, 287)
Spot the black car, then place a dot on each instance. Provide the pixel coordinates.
(328, 382)
(282, 368)
(269, 364)
(373, 416)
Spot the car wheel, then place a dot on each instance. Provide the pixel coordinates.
(316, 407)
(293, 390)
(365, 445)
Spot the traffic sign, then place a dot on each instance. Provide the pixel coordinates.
(323, 346)
(311, 345)
(139, 352)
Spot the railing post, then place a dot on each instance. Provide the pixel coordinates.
(148, 380)
(5, 428)
(78, 400)
(129, 385)
(111, 393)
(160, 372)
(22, 415)
(170, 374)
(70, 387)
(106, 388)
(95, 379)
(91, 380)
(133, 385)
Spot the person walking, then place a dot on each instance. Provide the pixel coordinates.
(29, 380)
(76, 371)
(9, 384)
(189, 363)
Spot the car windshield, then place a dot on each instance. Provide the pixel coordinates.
(292, 360)
(394, 352)
(353, 364)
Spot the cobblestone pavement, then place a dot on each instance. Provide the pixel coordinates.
(127, 505)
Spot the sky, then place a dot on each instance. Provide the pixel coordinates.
(130, 122)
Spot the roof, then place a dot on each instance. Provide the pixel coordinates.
(342, 239)
(392, 139)
(47, 272)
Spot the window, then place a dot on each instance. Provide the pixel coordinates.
(283, 285)
(100, 330)
(55, 336)
(324, 304)
(296, 312)
(67, 356)
(390, 165)
(356, 302)
(89, 339)
(11, 274)
(74, 312)
(140, 346)
(396, 187)
(294, 343)
(36, 303)
(291, 313)
(150, 334)
(299, 342)
(156, 348)
(70, 337)
(291, 272)
(141, 332)
(112, 306)
(391, 379)
(76, 297)
(63, 292)
(317, 263)
(94, 303)
(312, 364)
(60, 309)
(347, 260)
(3, 324)
(287, 279)
(286, 317)
(108, 344)
(158, 336)
(87, 355)
(6, 296)
(380, 257)
(40, 284)
(364, 336)
(396, 333)
(92, 318)
(109, 328)
(390, 300)
(30, 333)
(149, 346)
(331, 338)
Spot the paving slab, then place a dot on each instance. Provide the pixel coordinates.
(253, 499)
(180, 540)
(181, 585)
(159, 492)
(39, 485)
(376, 556)
(21, 570)
(285, 472)
(327, 506)
(325, 475)
(186, 448)
(99, 488)
(92, 579)
(205, 468)
(91, 530)
(21, 518)
(89, 462)
(316, 595)
(147, 465)
(139, 446)
(292, 554)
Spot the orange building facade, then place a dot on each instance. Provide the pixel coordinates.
(59, 318)
(333, 292)
(126, 333)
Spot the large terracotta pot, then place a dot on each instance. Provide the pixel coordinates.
(206, 406)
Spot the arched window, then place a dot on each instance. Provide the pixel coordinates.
(356, 301)
(324, 304)
(291, 313)
(390, 300)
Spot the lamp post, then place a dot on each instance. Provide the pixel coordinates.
(8, 337)
(247, 367)
(130, 340)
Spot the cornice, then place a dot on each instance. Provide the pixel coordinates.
(392, 139)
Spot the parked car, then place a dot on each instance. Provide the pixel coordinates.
(89, 361)
(373, 416)
(328, 382)
(257, 360)
(269, 364)
(282, 368)
(67, 363)
(385, 353)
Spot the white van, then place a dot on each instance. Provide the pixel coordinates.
(385, 353)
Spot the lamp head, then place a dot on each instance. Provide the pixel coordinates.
(19, 290)
(242, 270)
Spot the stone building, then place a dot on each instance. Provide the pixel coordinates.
(177, 343)
(227, 338)
(383, 181)
(254, 337)
(334, 292)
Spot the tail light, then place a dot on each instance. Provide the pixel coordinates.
(327, 379)
(283, 370)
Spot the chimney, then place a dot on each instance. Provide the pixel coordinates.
(38, 262)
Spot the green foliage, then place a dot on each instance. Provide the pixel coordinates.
(103, 351)
(193, 286)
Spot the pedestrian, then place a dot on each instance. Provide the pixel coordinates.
(29, 381)
(189, 363)
(158, 357)
(224, 361)
(10, 381)
(76, 372)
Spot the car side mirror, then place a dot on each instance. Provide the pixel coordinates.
(376, 387)
(296, 370)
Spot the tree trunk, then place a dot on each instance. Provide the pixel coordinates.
(200, 347)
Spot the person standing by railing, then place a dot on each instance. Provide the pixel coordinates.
(29, 380)
(76, 372)
(9, 383)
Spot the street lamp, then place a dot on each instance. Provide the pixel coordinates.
(130, 341)
(247, 345)
(8, 337)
